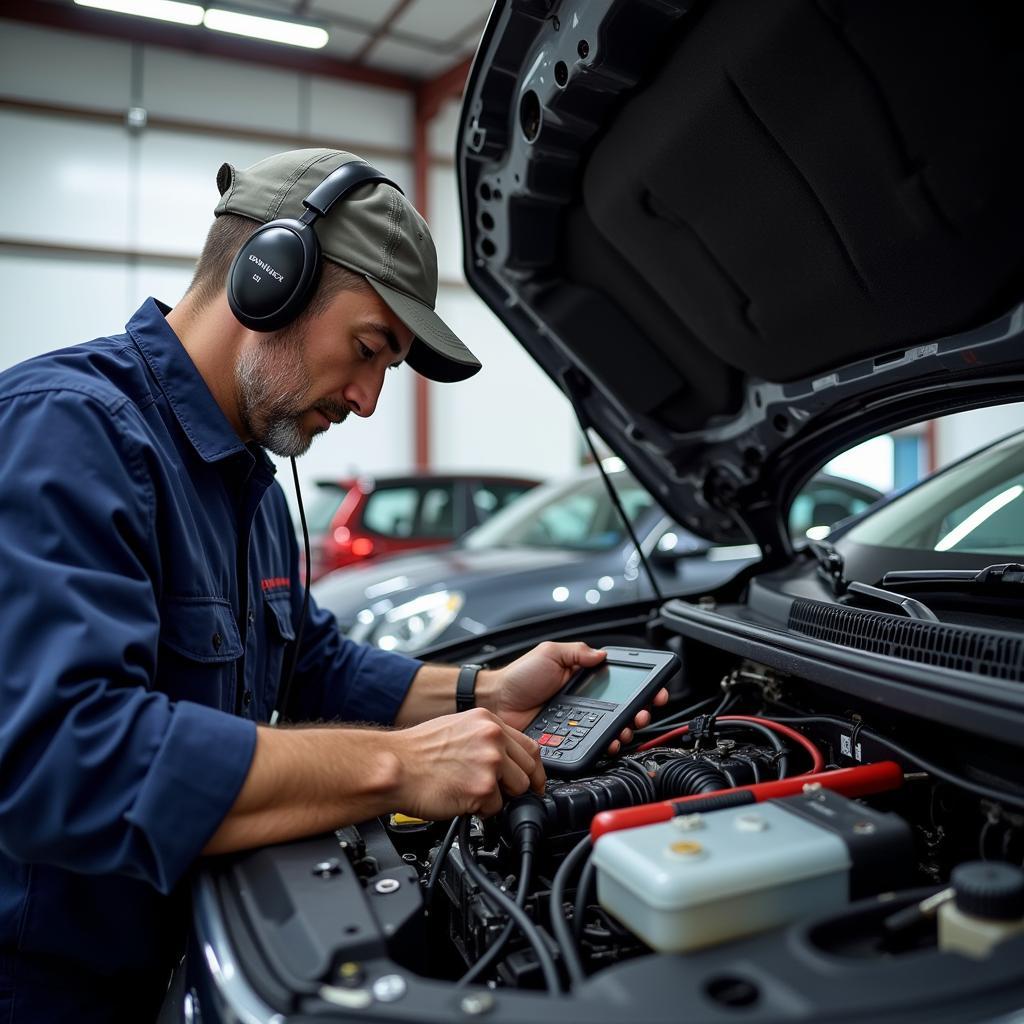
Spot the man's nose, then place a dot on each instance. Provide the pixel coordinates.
(362, 394)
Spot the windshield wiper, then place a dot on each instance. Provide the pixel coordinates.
(1006, 574)
(911, 607)
(831, 568)
(830, 565)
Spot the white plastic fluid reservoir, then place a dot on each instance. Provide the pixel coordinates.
(987, 908)
(698, 880)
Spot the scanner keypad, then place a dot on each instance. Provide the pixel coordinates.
(562, 726)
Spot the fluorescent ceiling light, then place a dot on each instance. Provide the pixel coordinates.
(265, 28)
(976, 518)
(165, 10)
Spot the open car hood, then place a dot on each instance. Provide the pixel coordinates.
(742, 236)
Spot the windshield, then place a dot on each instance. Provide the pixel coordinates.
(576, 515)
(975, 506)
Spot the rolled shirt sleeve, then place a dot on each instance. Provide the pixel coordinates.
(100, 772)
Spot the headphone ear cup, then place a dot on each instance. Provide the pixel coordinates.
(274, 274)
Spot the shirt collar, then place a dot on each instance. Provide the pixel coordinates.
(201, 418)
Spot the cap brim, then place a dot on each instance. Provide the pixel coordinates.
(436, 353)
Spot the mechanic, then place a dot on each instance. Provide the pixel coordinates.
(153, 595)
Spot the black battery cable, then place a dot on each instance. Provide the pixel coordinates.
(506, 903)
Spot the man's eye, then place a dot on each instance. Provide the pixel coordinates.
(366, 352)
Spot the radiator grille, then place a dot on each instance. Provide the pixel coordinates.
(1000, 656)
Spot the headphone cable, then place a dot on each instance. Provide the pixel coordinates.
(282, 702)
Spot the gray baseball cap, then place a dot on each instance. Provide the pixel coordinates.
(375, 231)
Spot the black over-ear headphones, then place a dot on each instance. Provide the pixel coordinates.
(275, 273)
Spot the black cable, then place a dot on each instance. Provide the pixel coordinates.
(495, 948)
(282, 701)
(752, 764)
(983, 837)
(528, 928)
(559, 925)
(582, 897)
(772, 737)
(442, 856)
(686, 713)
(939, 773)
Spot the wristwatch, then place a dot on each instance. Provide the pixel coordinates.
(465, 695)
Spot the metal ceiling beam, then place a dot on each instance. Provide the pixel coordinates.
(200, 41)
(381, 30)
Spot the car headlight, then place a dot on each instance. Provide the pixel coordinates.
(417, 623)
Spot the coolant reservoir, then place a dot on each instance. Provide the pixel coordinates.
(702, 879)
(988, 907)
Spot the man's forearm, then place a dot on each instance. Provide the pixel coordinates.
(432, 694)
(305, 781)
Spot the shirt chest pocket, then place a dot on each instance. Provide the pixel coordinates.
(199, 650)
(280, 632)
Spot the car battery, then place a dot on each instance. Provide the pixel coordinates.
(701, 879)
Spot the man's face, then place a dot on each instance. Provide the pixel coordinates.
(293, 384)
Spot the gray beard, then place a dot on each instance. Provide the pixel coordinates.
(272, 384)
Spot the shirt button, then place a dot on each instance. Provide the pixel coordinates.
(217, 641)
(246, 698)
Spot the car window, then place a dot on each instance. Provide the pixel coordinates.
(991, 521)
(821, 505)
(391, 511)
(489, 498)
(576, 515)
(437, 512)
(976, 505)
(326, 500)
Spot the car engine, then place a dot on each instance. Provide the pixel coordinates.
(765, 831)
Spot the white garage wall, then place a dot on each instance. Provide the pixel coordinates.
(153, 191)
(509, 416)
(965, 432)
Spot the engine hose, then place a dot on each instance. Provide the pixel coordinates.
(684, 777)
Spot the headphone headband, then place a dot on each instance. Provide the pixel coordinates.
(340, 182)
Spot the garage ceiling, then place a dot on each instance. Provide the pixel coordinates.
(417, 39)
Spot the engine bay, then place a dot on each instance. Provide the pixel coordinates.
(795, 852)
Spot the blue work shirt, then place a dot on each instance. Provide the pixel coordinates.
(151, 593)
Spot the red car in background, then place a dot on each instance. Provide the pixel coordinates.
(356, 519)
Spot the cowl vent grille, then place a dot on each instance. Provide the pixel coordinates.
(998, 655)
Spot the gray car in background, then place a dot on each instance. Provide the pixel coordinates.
(561, 547)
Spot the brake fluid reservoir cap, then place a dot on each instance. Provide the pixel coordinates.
(989, 889)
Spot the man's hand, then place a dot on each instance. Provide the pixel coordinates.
(523, 687)
(462, 764)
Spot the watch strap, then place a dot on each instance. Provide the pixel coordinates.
(465, 688)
